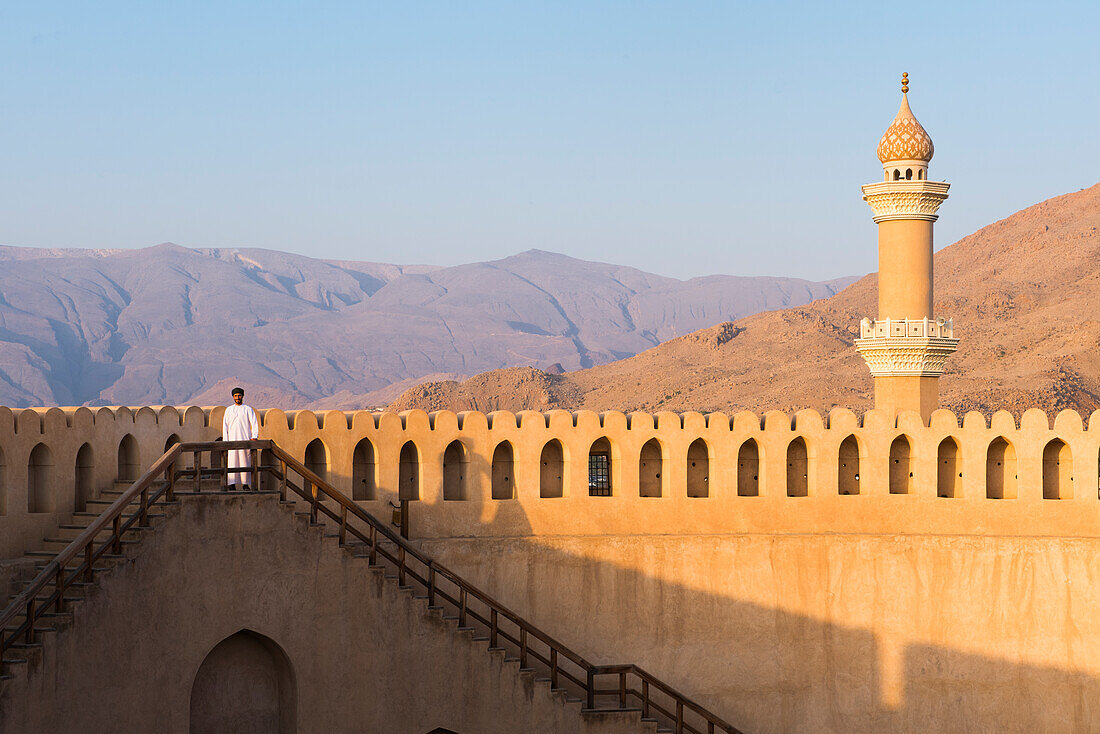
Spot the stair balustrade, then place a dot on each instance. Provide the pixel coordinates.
(631, 688)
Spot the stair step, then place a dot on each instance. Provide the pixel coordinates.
(65, 542)
(124, 516)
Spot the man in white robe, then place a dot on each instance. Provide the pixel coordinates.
(239, 424)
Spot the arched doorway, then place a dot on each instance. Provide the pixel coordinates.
(698, 469)
(85, 478)
(748, 469)
(649, 469)
(1057, 471)
(316, 458)
(798, 469)
(409, 473)
(552, 470)
(948, 472)
(245, 685)
(129, 461)
(504, 485)
(39, 477)
(362, 471)
(454, 471)
(847, 471)
(900, 476)
(1000, 470)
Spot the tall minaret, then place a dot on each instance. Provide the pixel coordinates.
(906, 346)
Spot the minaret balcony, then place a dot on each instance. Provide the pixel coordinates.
(906, 347)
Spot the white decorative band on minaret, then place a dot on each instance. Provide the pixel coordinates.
(905, 199)
(906, 347)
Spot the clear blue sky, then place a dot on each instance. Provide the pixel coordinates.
(683, 138)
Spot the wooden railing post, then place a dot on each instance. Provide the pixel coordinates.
(312, 500)
(401, 566)
(493, 627)
(622, 689)
(282, 484)
(462, 601)
(343, 524)
(553, 668)
(645, 699)
(116, 537)
(88, 560)
(254, 455)
(198, 470)
(170, 495)
(30, 621)
(710, 727)
(431, 584)
(373, 560)
(523, 646)
(143, 520)
(590, 689)
(679, 717)
(405, 519)
(59, 582)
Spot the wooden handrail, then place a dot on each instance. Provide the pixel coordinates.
(54, 573)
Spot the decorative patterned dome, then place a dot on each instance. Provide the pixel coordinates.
(905, 139)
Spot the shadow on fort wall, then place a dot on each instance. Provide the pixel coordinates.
(762, 668)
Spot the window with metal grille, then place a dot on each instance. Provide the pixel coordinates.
(599, 475)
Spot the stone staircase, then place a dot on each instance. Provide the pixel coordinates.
(21, 658)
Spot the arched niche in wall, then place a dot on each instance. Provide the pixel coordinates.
(1000, 470)
(84, 487)
(316, 458)
(748, 469)
(40, 477)
(246, 685)
(847, 467)
(1057, 471)
(552, 470)
(798, 469)
(650, 466)
(503, 472)
(698, 469)
(948, 468)
(901, 476)
(409, 472)
(363, 476)
(170, 442)
(129, 459)
(455, 459)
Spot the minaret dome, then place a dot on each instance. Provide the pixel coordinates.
(906, 147)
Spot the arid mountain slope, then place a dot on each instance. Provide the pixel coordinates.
(1024, 293)
(172, 325)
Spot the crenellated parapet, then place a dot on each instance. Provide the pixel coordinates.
(524, 473)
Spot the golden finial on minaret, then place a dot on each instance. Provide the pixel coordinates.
(905, 82)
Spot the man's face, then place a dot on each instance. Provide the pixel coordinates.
(238, 397)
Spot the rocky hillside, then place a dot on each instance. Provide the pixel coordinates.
(168, 324)
(1024, 293)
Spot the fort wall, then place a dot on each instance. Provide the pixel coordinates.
(805, 572)
(701, 474)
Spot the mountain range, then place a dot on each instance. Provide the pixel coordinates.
(168, 324)
(1024, 293)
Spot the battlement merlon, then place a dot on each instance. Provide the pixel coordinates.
(891, 200)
